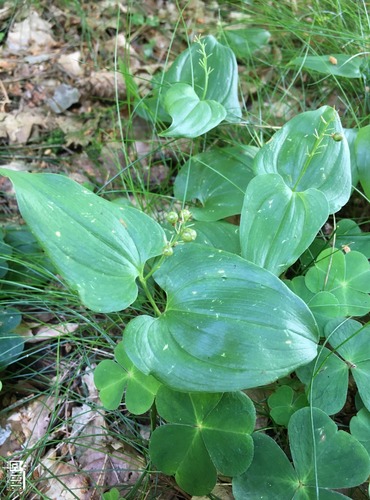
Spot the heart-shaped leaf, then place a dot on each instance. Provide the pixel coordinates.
(284, 402)
(94, 244)
(211, 432)
(111, 378)
(324, 459)
(349, 234)
(218, 180)
(191, 116)
(346, 276)
(307, 155)
(332, 64)
(288, 220)
(359, 426)
(227, 325)
(221, 84)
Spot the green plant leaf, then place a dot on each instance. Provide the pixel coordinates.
(218, 180)
(243, 42)
(349, 234)
(94, 244)
(112, 378)
(351, 340)
(332, 64)
(346, 276)
(11, 344)
(191, 116)
(351, 135)
(324, 459)
(326, 380)
(223, 80)
(362, 150)
(5, 252)
(359, 426)
(306, 155)
(283, 402)
(318, 448)
(288, 221)
(227, 325)
(211, 432)
(218, 234)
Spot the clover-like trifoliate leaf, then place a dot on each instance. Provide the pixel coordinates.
(359, 426)
(324, 459)
(94, 244)
(112, 378)
(346, 276)
(227, 325)
(207, 433)
(283, 402)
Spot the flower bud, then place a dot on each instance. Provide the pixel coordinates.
(185, 215)
(188, 234)
(172, 217)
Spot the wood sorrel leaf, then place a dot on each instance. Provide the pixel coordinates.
(218, 180)
(112, 378)
(346, 276)
(191, 116)
(288, 220)
(94, 244)
(324, 459)
(306, 155)
(359, 426)
(228, 325)
(11, 344)
(211, 432)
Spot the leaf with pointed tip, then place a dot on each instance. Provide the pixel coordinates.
(332, 64)
(228, 325)
(306, 155)
(191, 117)
(288, 220)
(243, 42)
(94, 244)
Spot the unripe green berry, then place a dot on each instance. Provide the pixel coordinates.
(168, 251)
(337, 136)
(185, 215)
(188, 234)
(172, 217)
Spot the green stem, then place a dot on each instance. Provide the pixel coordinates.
(149, 295)
(153, 417)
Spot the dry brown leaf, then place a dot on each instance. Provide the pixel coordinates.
(31, 35)
(46, 332)
(71, 64)
(17, 126)
(103, 84)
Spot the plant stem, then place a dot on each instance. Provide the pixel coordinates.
(149, 295)
(153, 417)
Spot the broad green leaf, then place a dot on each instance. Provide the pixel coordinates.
(324, 456)
(288, 221)
(11, 344)
(228, 325)
(244, 42)
(326, 380)
(351, 340)
(5, 252)
(346, 276)
(351, 135)
(218, 234)
(271, 475)
(191, 116)
(283, 402)
(324, 305)
(306, 155)
(362, 149)
(349, 234)
(211, 433)
(222, 84)
(217, 179)
(359, 426)
(112, 378)
(332, 64)
(94, 244)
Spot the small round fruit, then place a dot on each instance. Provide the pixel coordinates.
(188, 234)
(185, 215)
(168, 251)
(172, 217)
(337, 136)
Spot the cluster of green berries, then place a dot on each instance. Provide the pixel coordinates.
(179, 221)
